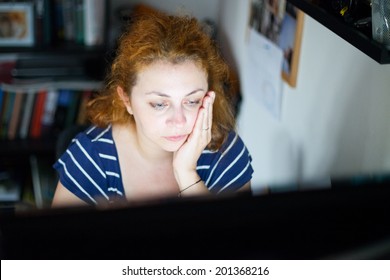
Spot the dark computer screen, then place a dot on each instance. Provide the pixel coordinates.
(343, 222)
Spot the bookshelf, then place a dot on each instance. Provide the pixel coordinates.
(46, 86)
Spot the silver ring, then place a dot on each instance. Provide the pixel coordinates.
(206, 128)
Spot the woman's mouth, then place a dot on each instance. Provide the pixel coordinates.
(176, 138)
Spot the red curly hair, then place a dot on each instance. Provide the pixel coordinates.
(155, 37)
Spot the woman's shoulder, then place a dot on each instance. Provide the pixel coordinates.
(89, 167)
(232, 145)
(233, 142)
(227, 169)
(96, 134)
(92, 141)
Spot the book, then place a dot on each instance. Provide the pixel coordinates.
(39, 13)
(43, 22)
(36, 120)
(15, 115)
(3, 108)
(7, 112)
(94, 22)
(49, 111)
(79, 21)
(74, 101)
(27, 112)
(58, 21)
(69, 17)
(7, 65)
(60, 116)
(61, 108)
(1, 101)
(47, 22)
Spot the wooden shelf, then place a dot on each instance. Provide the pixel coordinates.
(63, 48)
(358, 38)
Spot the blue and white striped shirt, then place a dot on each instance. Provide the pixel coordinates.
(90, 168)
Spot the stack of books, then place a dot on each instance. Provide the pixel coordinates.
(43, 109)
(77, 21)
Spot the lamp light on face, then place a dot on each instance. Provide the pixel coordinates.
(165, 102)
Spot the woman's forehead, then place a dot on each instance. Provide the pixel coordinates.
(160, 70)
(167, 78)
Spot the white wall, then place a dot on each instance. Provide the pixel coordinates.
(334, 123)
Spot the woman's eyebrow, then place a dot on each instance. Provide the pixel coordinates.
(167, 95)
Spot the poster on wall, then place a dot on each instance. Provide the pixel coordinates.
(263, 65)
(16, 24)
(281, 23)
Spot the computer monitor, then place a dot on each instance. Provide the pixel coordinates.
(351, 222)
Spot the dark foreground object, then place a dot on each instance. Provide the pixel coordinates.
(338, 223)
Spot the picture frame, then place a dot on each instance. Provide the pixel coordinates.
(282, 23)
(16, 24)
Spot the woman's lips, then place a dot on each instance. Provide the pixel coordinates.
(176, 138)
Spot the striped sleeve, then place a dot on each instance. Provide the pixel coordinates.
(83, 168)
(228, 169)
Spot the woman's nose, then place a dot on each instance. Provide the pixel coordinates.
(178, 118)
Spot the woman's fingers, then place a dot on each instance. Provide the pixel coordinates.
(204, 121)
(210, 110)
(208, 107)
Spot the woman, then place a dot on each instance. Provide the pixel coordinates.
(163, 125)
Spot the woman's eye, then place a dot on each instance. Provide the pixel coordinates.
(193, 103)
(158, 106)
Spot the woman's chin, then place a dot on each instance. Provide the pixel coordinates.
(173, 146)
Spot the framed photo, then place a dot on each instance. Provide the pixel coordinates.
(16, 24)
(281, 23)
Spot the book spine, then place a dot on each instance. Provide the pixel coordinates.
(43, 109)
(39, 15)
(68, 14)
(94, 22)
(58, 20)
(79, 21)
(49, 111)
(13, 124)
(7, 114)
(72, 108)
(1, 101)
(62, 109)
(47, 22)
(36, 121)
(27, 112)
(3, 111)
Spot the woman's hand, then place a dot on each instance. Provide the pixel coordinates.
(185, 159)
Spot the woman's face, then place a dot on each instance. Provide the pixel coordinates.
(165, 102)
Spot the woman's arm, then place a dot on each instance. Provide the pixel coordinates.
(185, 159)
(65, 198)
(246, 187)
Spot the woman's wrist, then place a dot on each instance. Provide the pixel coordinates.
(190, 184)
(184, 179)
(186, 188)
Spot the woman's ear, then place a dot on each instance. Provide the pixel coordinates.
(125, 99)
